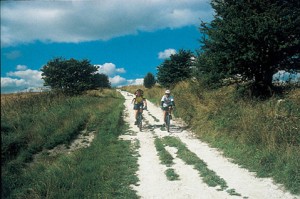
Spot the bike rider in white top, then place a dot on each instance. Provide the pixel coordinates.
(166, 101)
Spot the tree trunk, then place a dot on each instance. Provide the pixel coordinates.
(262, 86)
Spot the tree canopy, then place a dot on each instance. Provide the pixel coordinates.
(175, 69)
(72, 76)
(149, 80)
(253, 39)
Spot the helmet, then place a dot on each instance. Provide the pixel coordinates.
(167, 92)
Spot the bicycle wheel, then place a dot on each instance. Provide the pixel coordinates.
(168, 122)
(140, 121)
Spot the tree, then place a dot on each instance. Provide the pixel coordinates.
(149, 80)
(175, 69)
(100, 81)
(253, 39)
(71, 76)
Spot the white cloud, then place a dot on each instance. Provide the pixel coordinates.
(166, 53)
(10, 82)
(77, 21)
(32, 77)
(118, 81)
(110, 69)
(21, 67)
(10, 85)
(139, 81)
(20, 80)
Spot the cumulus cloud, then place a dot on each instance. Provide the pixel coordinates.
(77, 21)
(118, 81)
(21, 79)
(166, 53)
(139, 81)
(110, 69)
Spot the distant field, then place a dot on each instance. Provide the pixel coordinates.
(16, 96)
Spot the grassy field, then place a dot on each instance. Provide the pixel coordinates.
(263, 136)
(35, 123)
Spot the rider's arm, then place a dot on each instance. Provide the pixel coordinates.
(132, 100)
(173, 103)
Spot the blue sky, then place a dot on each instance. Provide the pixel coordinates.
(126, 39)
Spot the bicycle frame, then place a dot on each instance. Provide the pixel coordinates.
(140, 118)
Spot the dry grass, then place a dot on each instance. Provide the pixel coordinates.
(5, 98)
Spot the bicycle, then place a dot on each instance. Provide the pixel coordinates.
(140, 118)
(168, 118)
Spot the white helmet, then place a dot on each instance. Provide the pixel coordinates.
(167, 92)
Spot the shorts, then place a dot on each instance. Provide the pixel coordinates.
(138, 106)
(167, 107)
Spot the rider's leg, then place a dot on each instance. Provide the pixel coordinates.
(170, 111)
(136, 115)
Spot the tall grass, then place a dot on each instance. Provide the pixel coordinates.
(263, 136)
(104, 170)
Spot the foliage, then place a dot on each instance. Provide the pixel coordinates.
(72, 76)
(175, 69)
(252, 39)
(100, 81)
(149, 80)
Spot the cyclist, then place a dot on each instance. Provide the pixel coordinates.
(166, 101)
(139, 102)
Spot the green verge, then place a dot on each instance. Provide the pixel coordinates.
(208, 176)
(166, 159)
(106, 169)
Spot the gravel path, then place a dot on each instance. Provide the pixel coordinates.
(153, 182)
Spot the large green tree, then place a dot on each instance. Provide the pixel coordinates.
(250, 38)
(149, 80)
(72, 76)
(175, 69)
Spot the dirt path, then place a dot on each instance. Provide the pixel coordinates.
(154, 183)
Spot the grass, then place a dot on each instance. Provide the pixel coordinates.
(262, 136)
(171, 174)
(166, 159)
(164, 156)
(208, 176)
(106, 169)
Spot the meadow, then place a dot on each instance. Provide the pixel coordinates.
(260, 135)
(34, 123)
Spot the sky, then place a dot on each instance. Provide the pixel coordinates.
(125, 38)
